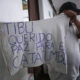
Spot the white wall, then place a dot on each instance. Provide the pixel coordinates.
(58, 3)
(11, 10)
(45, 9)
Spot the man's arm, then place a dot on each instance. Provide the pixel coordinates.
(73, 18)
(77, 23)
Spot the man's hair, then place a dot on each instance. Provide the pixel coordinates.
(69, 6)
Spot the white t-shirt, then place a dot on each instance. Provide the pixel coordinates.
(72, 50)
(73, 56)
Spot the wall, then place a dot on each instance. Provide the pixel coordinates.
(45, 9)
(11, 10)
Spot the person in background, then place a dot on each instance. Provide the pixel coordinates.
(70, 10)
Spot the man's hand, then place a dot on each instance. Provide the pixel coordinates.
(73, 18)
(71, 14)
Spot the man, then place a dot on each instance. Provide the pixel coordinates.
(70, 9)
(72, 45)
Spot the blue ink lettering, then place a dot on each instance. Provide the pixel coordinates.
(19, 49)
(14, 48)
(14, 62)
(19, 39)
(12, 40)
(38, 57)
(49, 37)
(15, 28)
(24, 59)
(26, 46)
(20, 27)
(7, 25)
(30, 28)
(32, 37)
